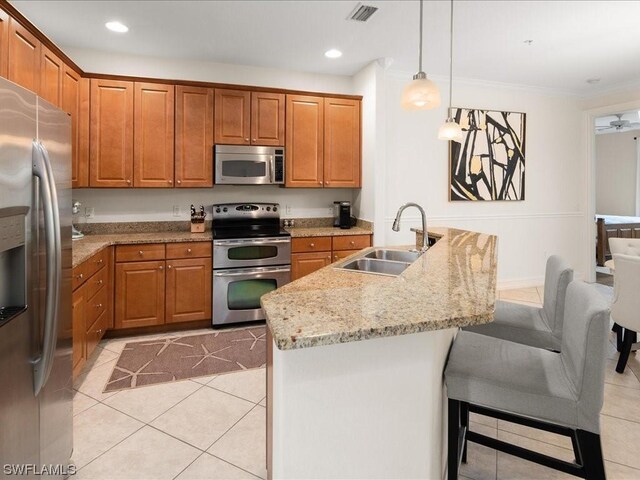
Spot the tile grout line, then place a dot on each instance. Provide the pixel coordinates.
(227, 430)
(233, 395)
(194, 461)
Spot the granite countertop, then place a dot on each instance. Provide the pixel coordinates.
(452, 285)
(300, 232)
(91, 244)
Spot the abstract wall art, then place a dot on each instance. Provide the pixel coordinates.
(488, 163)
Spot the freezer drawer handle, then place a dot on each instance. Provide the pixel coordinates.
(42, 169)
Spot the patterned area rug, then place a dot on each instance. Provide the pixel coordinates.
(181, 357)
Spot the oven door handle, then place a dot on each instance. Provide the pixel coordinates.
(233, 243)
(237, 272)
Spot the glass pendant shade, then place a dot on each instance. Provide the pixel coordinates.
(450, 130)
(420, 94)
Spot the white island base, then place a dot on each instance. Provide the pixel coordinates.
(359, 410)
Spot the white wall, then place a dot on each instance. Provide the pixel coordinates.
(149, 204)
(549, 220)
(616, 159)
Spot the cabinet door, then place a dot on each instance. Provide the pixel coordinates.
(111, 146)
(188, 290)
(341, 143)
(78, 332)
(267, 118)
(232, 117)
(139, 294)
(24, 57)
(75, 101)
(194, 137)
(4, 43)
(153, 135)
(305, 263)
(304, 141)
(51, 70)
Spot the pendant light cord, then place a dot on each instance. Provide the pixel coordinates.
(420, 49)
(450, 61)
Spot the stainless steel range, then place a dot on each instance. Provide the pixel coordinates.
(251, 257)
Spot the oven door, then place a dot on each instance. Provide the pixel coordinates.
(237, 292)
(244, 169)
(251, 252)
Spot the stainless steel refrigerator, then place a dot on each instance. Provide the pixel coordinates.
(36, 388)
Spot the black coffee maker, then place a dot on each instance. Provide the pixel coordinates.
(342, 214)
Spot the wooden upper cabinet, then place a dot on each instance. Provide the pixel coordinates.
(111, 156)
(194, 137)
(267, 118)
(24, 57)
(75, 101)
(304, 141)
(139, 294)
(232, 117)
(153, 135)
(51, 76)
(4, 43)
(188, 290)
(341, 143)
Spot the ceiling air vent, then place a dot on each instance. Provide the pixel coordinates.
(362, 12)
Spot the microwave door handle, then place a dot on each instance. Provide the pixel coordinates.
(42, 169)
(271, 169)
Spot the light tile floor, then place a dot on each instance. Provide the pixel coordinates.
(214, 427)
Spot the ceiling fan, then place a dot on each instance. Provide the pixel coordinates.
(619, 124)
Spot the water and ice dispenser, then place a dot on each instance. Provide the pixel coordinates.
(13, 262)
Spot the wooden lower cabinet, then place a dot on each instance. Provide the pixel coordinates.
(92, 305)
(77, 318)
(305, 263)
(188, 290)
(139, 294)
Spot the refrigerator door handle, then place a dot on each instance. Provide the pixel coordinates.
(42, 169)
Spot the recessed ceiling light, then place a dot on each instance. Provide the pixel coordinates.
(333, 53)
(592, 81)
(116, 26)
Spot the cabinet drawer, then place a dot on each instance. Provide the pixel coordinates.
(96, 262)
(137, 253)
(351, 242)
(96, 332)
(79, 275)
(340, 254)
(96, 305)
(312, 244)
(97, 281)
(189, 250)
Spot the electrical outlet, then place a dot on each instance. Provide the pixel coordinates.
(176, 210)
(89, 212)
(330, 211)
(287, 209)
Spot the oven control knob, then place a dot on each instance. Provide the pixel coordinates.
(225, 209)
(218, 210)
(275, 209)
(268, 209)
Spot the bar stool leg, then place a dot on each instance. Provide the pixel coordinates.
(453, 454)
(591, 451)
(629, 338)
(464, 421)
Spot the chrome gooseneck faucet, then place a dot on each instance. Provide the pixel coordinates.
(425, 236)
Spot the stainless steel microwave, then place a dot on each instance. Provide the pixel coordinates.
(248, 165)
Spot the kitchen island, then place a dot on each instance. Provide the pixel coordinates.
(355, 362)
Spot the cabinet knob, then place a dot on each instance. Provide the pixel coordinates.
(170, 182)
(326, 183)
(81, 276)
(246, 139)
(99, 305)
(352, 242)
(329, 258)
(168, 266)
(128, 182)
(178, 182)
(99, 261)
(161, 267)
(254, 140)
(140, 252)
(188, 250)
(335, 257)
(312, 245)
(319, 183)
(99, 282)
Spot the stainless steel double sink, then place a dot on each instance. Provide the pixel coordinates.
(382, 261)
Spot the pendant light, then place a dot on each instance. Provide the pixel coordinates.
(450, 130)
(421, 93)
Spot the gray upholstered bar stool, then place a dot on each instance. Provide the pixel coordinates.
(560, 392)
(538, 327)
